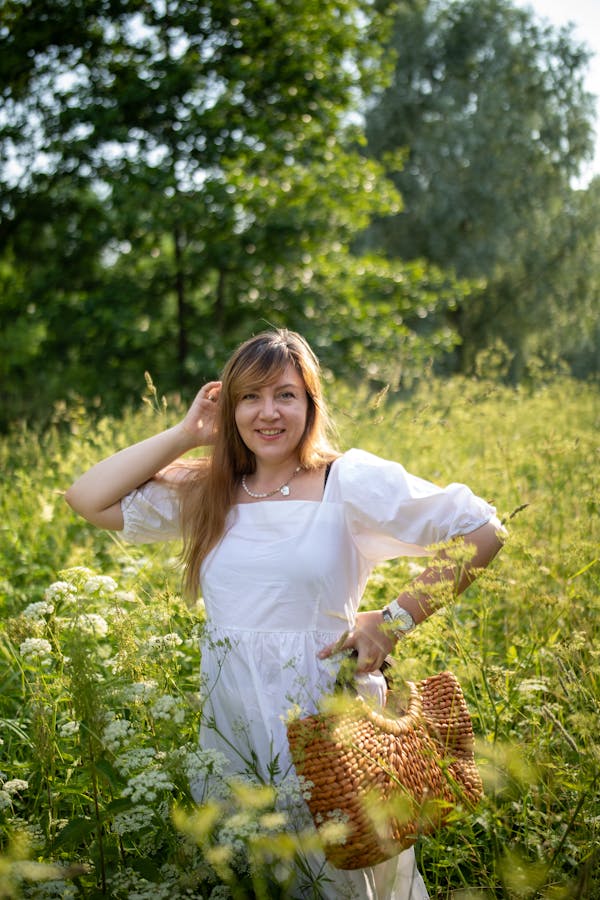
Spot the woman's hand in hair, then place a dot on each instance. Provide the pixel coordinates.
(200, 420)
(97, 494)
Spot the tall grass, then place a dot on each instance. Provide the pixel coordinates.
(99, 665)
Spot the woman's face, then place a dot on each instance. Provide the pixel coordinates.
(271, 418)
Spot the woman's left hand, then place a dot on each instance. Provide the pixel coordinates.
(370, 640)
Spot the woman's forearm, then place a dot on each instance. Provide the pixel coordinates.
(433, 587)
(96, 495)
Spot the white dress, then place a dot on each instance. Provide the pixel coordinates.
(285, 580)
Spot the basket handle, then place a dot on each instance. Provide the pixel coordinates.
(398, 725)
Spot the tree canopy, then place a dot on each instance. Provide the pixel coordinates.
(177, 175)
(484, 126)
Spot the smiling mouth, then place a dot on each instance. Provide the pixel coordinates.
(270, 432)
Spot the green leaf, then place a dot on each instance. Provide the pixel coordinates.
(109, 773)
(147, 868)
(74, 833)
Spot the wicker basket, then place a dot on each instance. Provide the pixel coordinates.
(390, 778)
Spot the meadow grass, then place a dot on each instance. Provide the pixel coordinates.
(99, 664)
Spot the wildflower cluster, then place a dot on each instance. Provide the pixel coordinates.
(117, 733)
(109, 706)
(36, 649)
(100, 586)
(158, 643)
(37, 611)
(147, 786)
(91, 624)
(61, 591)
(169, 709)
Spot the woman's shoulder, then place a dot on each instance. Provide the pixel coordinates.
(355, 458)
(358, 471)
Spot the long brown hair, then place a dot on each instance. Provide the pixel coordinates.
(209, 493)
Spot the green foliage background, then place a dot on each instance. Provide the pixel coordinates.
(393, 179)
(523, 640)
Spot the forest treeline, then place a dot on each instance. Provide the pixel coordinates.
(394, 179)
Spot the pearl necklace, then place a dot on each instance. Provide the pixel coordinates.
(284, 489)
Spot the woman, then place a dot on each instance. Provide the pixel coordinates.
(280, 534)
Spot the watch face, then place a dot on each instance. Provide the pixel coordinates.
(402, 618)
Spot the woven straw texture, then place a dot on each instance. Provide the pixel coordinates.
(390, 778)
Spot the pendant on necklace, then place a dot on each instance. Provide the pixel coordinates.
(285, 490)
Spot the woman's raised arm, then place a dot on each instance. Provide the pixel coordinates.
(97, 494)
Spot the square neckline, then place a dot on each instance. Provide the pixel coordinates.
(286, 501)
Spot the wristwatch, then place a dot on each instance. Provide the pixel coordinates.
(399, 618)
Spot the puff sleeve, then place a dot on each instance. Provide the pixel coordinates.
(391, 513)
(151, 513)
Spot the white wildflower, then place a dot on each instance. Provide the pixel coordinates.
(102, 585)
(68, 729)
(34, 834)
(130, 884)
(293, 789)
(37, 611)
(163, 642)
(117, 733)
(238, 830)
(145, 787)
(205, 771)
(60, 590)
(273, 821)
(132, 820)
(91, 624)
(338, 816)
(15, 786)
(203, 762)
(135, 887)
(533, 685)
(140, 691)
(333, 833)
(54, 889)
(166, 707)
(36, 648)
(305, 787)
(137, 758)
(334, 829)
(169, 872)
(5, 801)
(220, 892)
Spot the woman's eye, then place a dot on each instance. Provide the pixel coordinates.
(287, 395)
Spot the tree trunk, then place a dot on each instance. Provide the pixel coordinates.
(220, 303)
(182, 341)
(456, 320)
